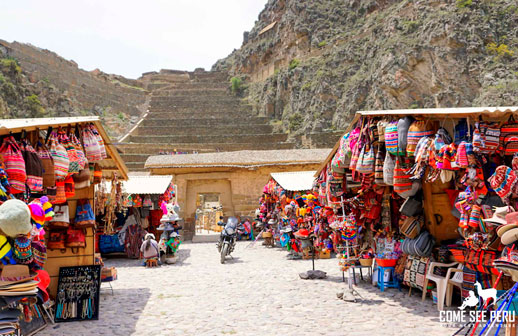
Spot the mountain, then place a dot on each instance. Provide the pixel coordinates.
(38, 83)
(310, 65)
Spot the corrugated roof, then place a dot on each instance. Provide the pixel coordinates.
(113, 163)
(240, 159)
(295, 181)
(147, 184)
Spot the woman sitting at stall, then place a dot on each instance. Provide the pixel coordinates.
(149, 248)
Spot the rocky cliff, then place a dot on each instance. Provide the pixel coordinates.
(309, 65)
(38, 83)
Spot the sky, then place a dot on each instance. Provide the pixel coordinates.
(129, 37)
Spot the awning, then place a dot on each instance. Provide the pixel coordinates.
(147, 184)
(295, 181)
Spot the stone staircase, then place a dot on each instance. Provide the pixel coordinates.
(194, 111)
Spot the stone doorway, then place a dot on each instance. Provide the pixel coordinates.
(208, 212)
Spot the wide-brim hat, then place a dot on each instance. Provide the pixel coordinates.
(303, 233)
(510, 236)
(499, 215)
(13, 274)
(504, 228)
(149, 235)
(174, 235)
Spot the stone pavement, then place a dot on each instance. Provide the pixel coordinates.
(257, 293)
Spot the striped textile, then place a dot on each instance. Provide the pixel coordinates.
(469, 277)
(509, 128)
(402, 180)
(391, 137)
(14, 165)
(416, 132)
(60, 156)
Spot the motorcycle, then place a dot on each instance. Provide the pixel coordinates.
(227, 238)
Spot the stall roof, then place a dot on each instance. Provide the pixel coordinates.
(295, 181)
(113, 163)
(156, 184)
(238, 159)
(430, 113)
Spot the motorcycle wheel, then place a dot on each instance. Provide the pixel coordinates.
(224, 251)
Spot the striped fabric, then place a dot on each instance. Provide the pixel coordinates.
(508, 129)
(14, 165)
(416, 132)
(100, 141)
(491, 133)
(83, 162)
(462, 156)
(391, 137)
(60, 157)
(474, 217)
(91, 144)
(402, 180)
(510, 144)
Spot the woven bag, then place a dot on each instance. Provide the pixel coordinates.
(402, 180)
(378, 165)
(81, 157)
(391, 137)
(33, 167)
(366, 161)
(73, 166)
(416, 132)
(91, 145)
(49, 179)
(100, 141)
(14, 165)
(388, 169)
(60, 157)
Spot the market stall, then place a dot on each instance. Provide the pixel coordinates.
(436, 199)
(139, 213)
(50, 168)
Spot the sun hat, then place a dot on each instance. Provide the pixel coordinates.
(510, 236)
(149, 235)
(502, 181)
(12, 274)
(302, 233)
(499, 215)
(504, 228)
(15, 218)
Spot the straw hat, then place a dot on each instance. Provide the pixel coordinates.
(499, 214)
(13, 274)
(510, 236)
(504, 228)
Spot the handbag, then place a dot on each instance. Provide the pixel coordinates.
(56, 240)
(366, 161)
(61, 216)
(81, 157)
(84, 215)
(391, 137)
(14, 165)
(411, 207)
(388, 169)
(60, 197)
(33, 167)
(416, 132)
(411, 226)
(378, 165)
(49, 179)
(73, 159)
(402, 180)
(75, 238)
(100, 141)
(60, 157)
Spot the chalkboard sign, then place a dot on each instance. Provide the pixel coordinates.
(37, 323)
(78, 293)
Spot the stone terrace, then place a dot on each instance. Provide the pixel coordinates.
(194, 111)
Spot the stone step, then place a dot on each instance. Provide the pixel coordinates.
(224, 109)
(135, 166)
(160, 100)
(181, 92)
(209, 139)
(238, 120)
(195, 104)
(198, 85)
(155, 148)
(172, 127)
(204, 114)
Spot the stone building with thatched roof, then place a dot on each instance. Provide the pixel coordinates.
(233, 179)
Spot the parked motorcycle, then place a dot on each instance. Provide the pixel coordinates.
(227, 238)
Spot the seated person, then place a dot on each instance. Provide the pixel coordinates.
(149, 248)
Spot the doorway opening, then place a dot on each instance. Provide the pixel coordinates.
(208, 212)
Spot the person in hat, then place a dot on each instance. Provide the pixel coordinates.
(149, 248)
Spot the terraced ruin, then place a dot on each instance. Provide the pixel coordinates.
(196, 112)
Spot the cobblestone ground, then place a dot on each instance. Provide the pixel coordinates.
(259, 292)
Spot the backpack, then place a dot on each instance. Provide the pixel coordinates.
(402, 180)
(403, 126)
(56, 240)
(366, 160)
(49, 179)
(486, 137)
(84, 215)
(75, 238)
(61, 217)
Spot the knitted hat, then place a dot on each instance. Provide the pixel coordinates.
(39, 252)
(22, 250)
(15, 218)
(502, 181)
(37, 212)
(47, 207)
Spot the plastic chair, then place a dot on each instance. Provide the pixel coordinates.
(441, 282)
(456, 280)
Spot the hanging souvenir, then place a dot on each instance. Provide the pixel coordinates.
(60, 157)
(49, 178)
(33, 167)
(14, 165)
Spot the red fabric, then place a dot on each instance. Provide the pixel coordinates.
(155, 215)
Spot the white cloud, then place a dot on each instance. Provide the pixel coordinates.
(129, 37)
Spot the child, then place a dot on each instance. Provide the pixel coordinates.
(149, 248)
